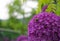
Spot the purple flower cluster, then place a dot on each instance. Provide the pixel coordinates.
(22, 38)
(44, 27)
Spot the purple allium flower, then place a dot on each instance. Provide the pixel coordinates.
(44, 26)
(22, 38)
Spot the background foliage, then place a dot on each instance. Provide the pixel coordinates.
(14, 27)
(53, 5)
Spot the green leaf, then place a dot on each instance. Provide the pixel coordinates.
(41, 3)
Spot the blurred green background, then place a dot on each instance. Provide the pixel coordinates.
(14, 27)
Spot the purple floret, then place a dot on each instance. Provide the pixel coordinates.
(44, 27)
(22, 38)
(44, 8)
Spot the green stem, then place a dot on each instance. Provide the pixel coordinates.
(9, 30)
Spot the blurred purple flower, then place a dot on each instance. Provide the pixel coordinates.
(22, 38)
(44, 27)
(6, 39)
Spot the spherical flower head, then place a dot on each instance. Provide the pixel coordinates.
(44, 26)
(22, 38)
